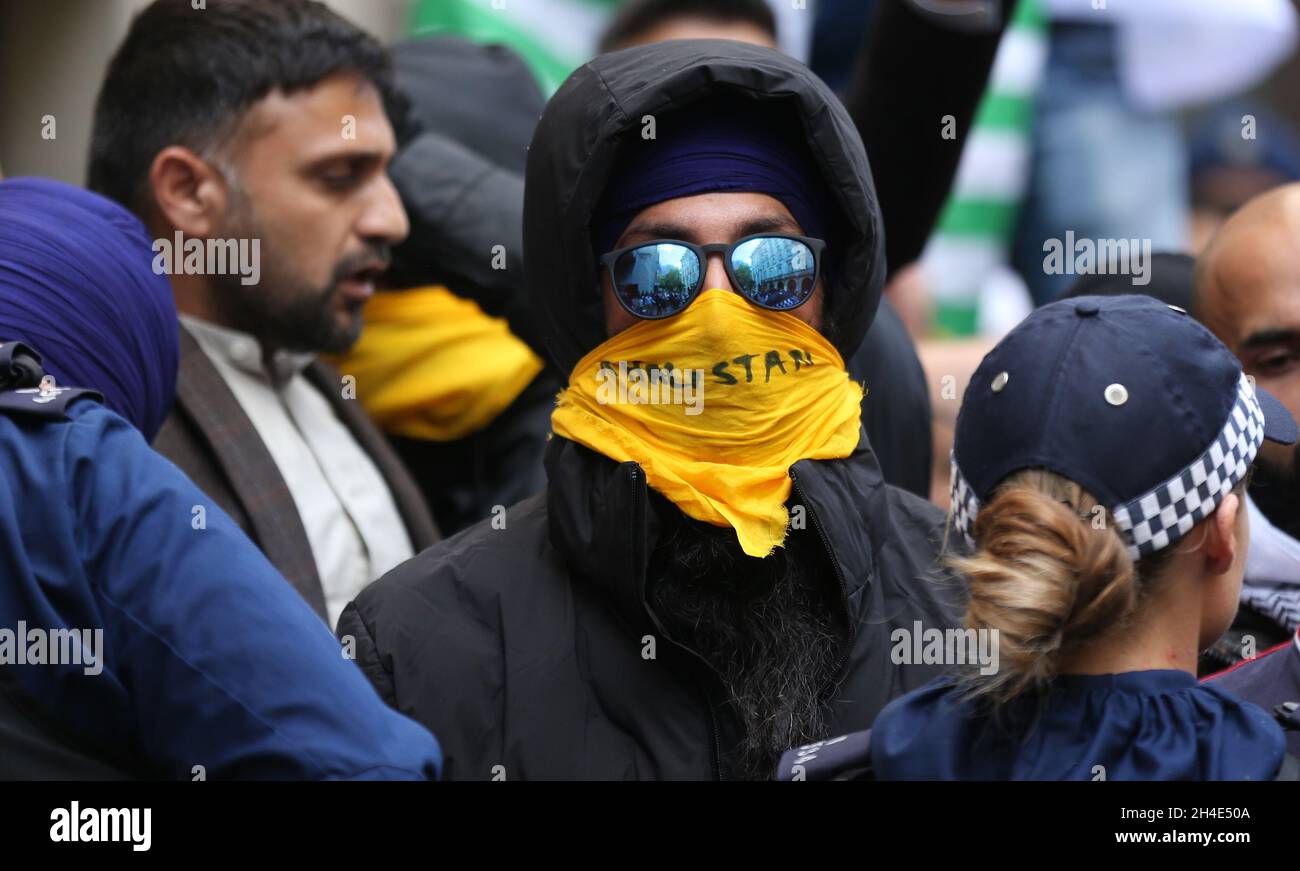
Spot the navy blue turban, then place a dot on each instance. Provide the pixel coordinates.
(737, 145)
(77, 284)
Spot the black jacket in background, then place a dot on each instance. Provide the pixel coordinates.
(916, 67)
(896, 411)
(472, 110)
(460, 176)
(524, 646)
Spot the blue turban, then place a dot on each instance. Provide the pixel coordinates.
(717, 146)
(77, 284)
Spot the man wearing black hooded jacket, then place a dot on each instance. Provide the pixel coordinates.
(604, 629)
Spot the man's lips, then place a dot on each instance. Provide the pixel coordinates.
(359, 285)
(356, 290)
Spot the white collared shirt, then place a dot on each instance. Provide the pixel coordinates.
(353, 526)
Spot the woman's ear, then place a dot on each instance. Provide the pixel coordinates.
(1221, 539)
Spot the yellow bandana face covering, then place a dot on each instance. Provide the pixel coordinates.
(431, 365)
(716, 404)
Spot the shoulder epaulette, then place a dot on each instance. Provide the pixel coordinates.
(26, 390)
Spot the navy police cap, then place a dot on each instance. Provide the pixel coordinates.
(1128, 397)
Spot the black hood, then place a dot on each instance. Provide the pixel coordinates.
(576, 142)
(448, 82)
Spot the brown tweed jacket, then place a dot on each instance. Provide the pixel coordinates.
(210, 438)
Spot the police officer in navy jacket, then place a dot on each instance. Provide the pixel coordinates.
(1099, 464)
(141, 633)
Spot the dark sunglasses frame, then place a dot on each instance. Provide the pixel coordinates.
(726, 249)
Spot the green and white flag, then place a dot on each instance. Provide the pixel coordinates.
(974, 236)
(554, 37)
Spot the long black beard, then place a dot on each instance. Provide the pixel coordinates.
(771, 631)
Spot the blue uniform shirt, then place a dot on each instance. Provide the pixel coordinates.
(1269, 680)
(1142, 725)
(208, 658)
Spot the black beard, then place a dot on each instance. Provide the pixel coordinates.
(774, 635)
(1277, 494)
(302, 321)
(280, 311)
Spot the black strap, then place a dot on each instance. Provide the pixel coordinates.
(20, 366)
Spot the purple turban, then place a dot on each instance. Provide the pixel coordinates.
(718, 146)
(77, 284)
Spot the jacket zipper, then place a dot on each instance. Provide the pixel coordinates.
(638, 496)
(839, 576)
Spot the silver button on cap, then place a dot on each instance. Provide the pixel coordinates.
(1000, 381)
(1117, 394)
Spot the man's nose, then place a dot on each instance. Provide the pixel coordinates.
(715, 275)
(383, 216)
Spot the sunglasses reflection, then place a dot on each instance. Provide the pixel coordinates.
(660, 279)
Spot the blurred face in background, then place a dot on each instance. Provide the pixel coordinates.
(1248, 294)
(303, 174)
(1217, 192)
(694, 27)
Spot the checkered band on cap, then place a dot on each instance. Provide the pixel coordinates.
(1166, 513)
(965, 505)
(1160, 517)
